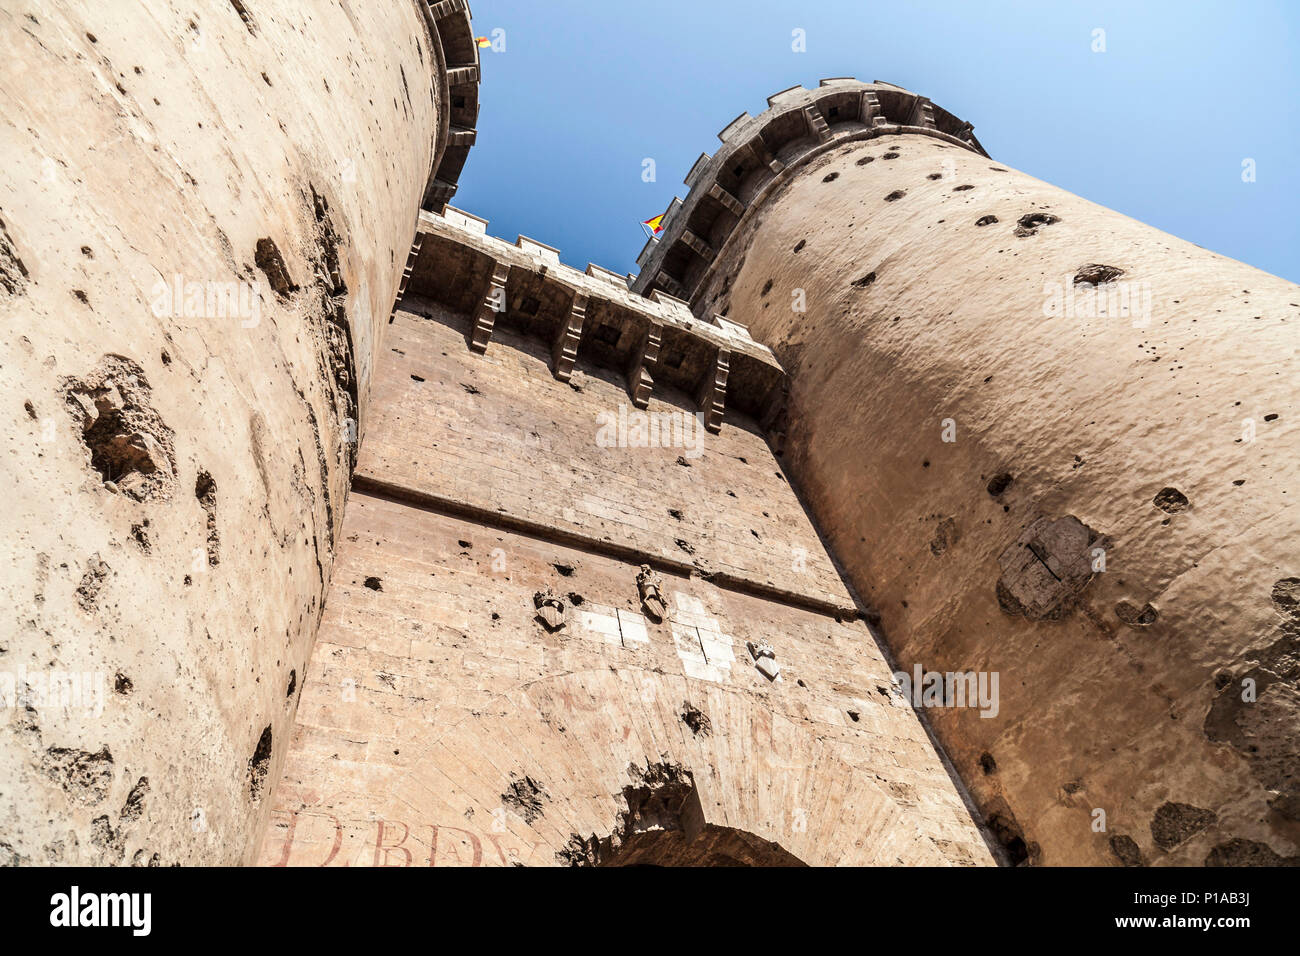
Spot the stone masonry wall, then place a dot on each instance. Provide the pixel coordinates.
(498, 432)
(442, 724)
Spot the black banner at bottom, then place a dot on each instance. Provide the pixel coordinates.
(959, 906)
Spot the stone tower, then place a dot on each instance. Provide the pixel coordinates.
(200, 248)
(389, 542)
(1043, 440)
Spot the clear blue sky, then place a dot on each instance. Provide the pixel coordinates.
(1156, 127)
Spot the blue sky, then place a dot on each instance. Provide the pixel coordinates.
(1156, 127)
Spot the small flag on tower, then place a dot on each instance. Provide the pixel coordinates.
(655, 225)
(483, 41)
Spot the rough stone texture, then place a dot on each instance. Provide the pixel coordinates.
(1111, 529)
(443, 724)
(175, 478)
(1130, 690)
(497, 432)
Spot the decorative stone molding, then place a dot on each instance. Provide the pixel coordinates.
(759, 153)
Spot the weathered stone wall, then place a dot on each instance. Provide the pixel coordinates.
(1165, 438)
(442, 723)
(176, 464)
(494, 432)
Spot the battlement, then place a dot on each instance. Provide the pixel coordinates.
(457, 77)
(652, 339)
(758, 155)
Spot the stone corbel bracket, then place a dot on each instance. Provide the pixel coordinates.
(711, 394)
(655, 343)
(411, 257)
(564, 350)
(456, 69)
(759, 153)
(644, 355)
(485, 316)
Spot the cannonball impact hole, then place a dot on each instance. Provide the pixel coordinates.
(999, 483)
(205, 491)
(1096, 274)
(1134, 616)
(375, 584)
(130, 446)
(1126, 850)
(830, 177)
(986, 220)
(260, 763)
(268, 259)
(245, 16)
(1171, 501)
(896, 195)
(696, 719)
(1007, 832)
(1286, 596)
(1029, 224)
(865, 281)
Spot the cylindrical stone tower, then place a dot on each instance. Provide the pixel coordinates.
(1045, 441)
(207, 209)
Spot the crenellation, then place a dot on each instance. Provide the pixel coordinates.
(728, 132)
(617, 323)
(781, 147)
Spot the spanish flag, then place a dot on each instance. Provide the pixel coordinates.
(656, 224)
(483, 41)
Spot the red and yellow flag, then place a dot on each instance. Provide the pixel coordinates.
(656, 224)
(483, 41)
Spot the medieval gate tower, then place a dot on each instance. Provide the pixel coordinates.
(438, 551)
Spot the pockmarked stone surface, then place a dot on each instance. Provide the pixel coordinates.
(445, 721)
(1082, 477)
(904, 509)
(203, 226)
